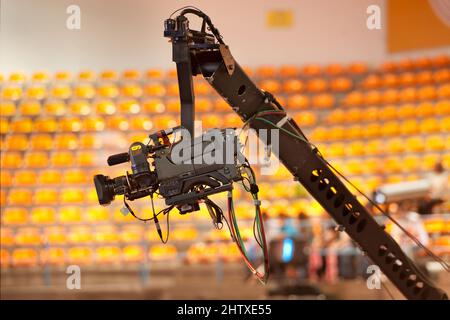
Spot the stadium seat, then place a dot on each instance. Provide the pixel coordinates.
(441, 61)
(406, 111)
(24, 125)
(55, 235)
(266, 72)
(357, 68)
(85, 159)
(97, 214)
(6, 179)
(80, 255)
(55, 108)
(154, 74)
(43, 215)
(108, 255)
(163, 253)
(335, 69)
(6, 237)
(16, 142)
(53, 256)
(25, 257)
(30, 108)
(4, 126)
(390, 96)
(93, 124)
(62, 76)
(155, 90)
(17, 77)
(317, 85)
(296, 101)
(89, 141)
(270, 85)
(36, 159)
(28, 237)
(86, 76)
(129, 107)
(429, 125)
(14, 216)
(71, 196)
(305, 118)
(407, 79)
(131, 234)
(50, 177)
(425, 109)
(201, 87)
(11, 93)
(108, 90)
(390, 80)
(42, 142)
(47, 196)
(395, 145)
(153, 106)
(341, 84)
(131, 75)
(62, 159)
(109, 75)
(11, 160)
(311, 70)
(84, 91)
(25, 178)
(443, 91)
(353, 99)
(70, 214)
(67, 141)
(132, 254)
(36, 92)
(442, 76)
(435, 143)
(414, 144)
(323, 101)
(106, 234)
(288, 71)
(426, 93)
(291, 86)
(131, 90)
(118, 123)
(7, 108)
(424, 77)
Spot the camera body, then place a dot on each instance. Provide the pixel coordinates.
(182, 172)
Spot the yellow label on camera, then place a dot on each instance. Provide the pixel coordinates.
(136, 147)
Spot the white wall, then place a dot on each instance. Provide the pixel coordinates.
(128, 33)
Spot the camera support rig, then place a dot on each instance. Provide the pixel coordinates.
(203, 53)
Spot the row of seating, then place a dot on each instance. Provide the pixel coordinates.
(406, 79)
(335, 69)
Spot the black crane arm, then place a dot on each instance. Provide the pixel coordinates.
(200, 52)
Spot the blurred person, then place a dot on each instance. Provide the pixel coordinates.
(438, 194)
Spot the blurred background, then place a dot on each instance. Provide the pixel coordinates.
(374, 95)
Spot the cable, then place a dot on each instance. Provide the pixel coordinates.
(185, 7)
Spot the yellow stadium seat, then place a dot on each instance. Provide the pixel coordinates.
(429, 125)
(80, 255)
(129, 107)
(43, 215)
(163, 253)
(425, 109)
(442, 107)
(131, 74)
(70, 214)
(108, 75)
(46, 196)
(132, 233)
(154, 74)
(94, 124)
(6, 179)
(49, 177)
(388, 112)
(80, 235)
(53, 256)
(108, 255)
(72, 196)
(36, 92)
(406, 111)
(395, 145)
(4, 126)
(36, 159)
(11, 160)
(25, 257)
(132, 254)
(105, 107)
(12, 93)
(429, 161)
(353, 132)
(106, 234)
(97, 214)
(141, 123)
(62, 76)
(414, 144)
(55, 235)
(84, 91)
(353, 115)
(62, 159)
(30, 108)
(374, 147)
(288, 71)
(80, 107)
(25, 178)
(7, 108)
(28, 237)
(18, 196)
(232, 121)
(66, 141)
(392, 165)
(42, 142)
(17, 142)
(390, 128)
(336, 133)
(85, 159)
(17, 77)
(409, 127)
(14, 216)
(86, 75)
(445, 124)
(108, 90)
(55, 108)
(435, 143)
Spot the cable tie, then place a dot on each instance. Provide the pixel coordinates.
(257, 202)
(285, 119)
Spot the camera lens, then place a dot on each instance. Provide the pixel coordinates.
(105, 189)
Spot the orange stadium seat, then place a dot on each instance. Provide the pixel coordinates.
(62, 159)
(19, 196)
(288, 71)
(53, 256)
(43, 215)
(36, 159)
(108, 90)
(89, 141)
(94, 124)
(25, 178)
(266, 72)
(141, 123)
(6, 237)
(424, 77)
(118, 123)
(425, 109)
(201, 87)
(80, 107)
(411, 163)
(305, 118)
(131, 75)
(108, 75)
(388, 112)
(86, 75)
(84, 91)
(390, 128)
(390, 96)
(296, 101)
(221, 105)
(46, 196)
(11, 160)
(442, 76)
(311, 70)
(25, 257)
(6, 179)
(435, 143)
(70, 124)
(4, 126)
(131, 90)
(334, 69)
(42, 142)
(154, 74)
(442, 107)
(407, 95)
(7, 108)
(422, 63)
(293, 86)
(407, 79)
(354, 98)
(317, 85)
(270, 85)
(372, 81)
(129, 107)
(85, 159)
(22, 125)
(105, 107)
(406, 111)
(17, 142)
(443, 91)
(61, 76)
(395, 145)
(429, 125)
(357, 68)
(153, 106)
(323, 101)
(415, 144)
(441, 61)
(390, 80)
(55, 108)
(66, 141)
(49, 125)
(30, 108)
(155, 90)
(341, 84)
(211, 121)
